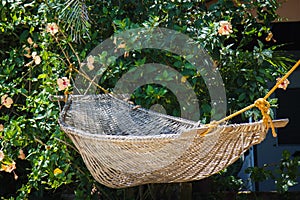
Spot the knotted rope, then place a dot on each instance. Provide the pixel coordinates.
(264, 107)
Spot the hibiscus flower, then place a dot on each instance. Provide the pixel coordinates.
(283, 84)
(225, 28)
(6, 101)
(63, 83)
(52, 28)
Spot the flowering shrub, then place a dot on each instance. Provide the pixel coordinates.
(40, 46)
(225, 28)
(288, 168)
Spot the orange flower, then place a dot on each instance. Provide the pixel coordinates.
(1, 127)
(6, 101)
(15, 176)
(270, 37)
(225, 28)
(63, 83)
(30, 41)
(3, 167)
(21, 155)
(126, 54)
(8, 168)
(57, 171)
(35, 45)
(1, 155)
(283, 84)
(52, 28)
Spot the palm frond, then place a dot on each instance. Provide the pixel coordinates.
(76, 19)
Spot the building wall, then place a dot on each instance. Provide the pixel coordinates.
(290, 10)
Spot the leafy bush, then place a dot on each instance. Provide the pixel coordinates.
(284, 174)
(37, 159)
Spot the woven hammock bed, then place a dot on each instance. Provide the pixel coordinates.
(122, 146)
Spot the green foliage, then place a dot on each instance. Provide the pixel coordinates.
(227, 180)
(31, 124)
(245, 60)
(284, 174)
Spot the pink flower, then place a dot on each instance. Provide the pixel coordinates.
(63, 83)
(283, 84)
(37, 59)
(225, 28)
(52, 28)
(21, 155)
(6, 101)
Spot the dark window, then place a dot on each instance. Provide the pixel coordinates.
(289, 107)
(287, 33)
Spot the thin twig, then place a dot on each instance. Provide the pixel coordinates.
(63, 51)
(73, 50)
(69, 145)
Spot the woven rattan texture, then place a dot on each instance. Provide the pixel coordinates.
(124, 147)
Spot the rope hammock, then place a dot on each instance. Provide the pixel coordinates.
(124, 146)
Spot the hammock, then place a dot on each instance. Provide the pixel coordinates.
(124, 146)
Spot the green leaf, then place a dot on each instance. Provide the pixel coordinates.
(41, 76)
(24, 35)
(242, 97)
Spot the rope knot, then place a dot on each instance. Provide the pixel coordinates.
(264, 107)
(210, 126)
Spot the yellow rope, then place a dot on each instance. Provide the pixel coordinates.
(282, 79)
(262, 104)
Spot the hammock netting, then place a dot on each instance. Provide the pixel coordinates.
(123, 146)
